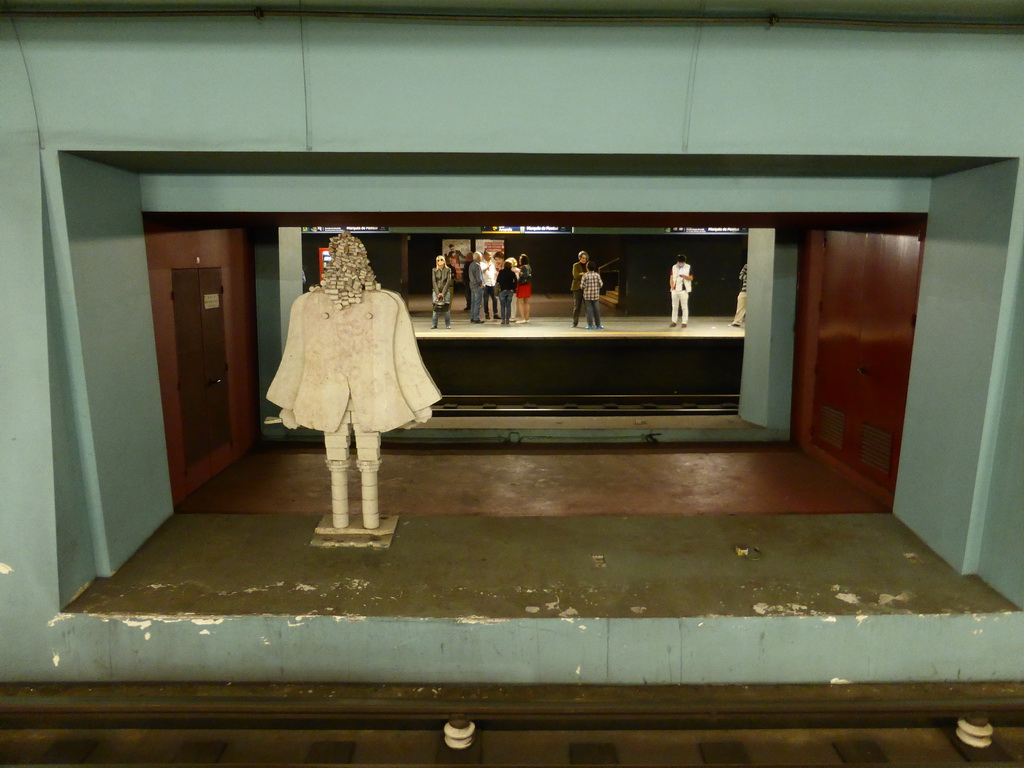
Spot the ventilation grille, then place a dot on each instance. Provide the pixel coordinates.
(831, 426)
(876, 448)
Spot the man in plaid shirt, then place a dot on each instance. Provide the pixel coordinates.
(591, 284)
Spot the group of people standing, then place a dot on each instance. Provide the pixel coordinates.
(490, 281)
(496, 284)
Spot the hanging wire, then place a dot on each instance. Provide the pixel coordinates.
(771, 20)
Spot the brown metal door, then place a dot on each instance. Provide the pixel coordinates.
(867, 313)
(197, 296)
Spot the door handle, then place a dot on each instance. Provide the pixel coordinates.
(862, 369)
(211, 382)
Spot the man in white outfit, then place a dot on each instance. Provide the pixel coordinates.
(741, 301)
(679, 285)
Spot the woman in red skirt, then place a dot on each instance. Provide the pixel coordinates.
(525, 289)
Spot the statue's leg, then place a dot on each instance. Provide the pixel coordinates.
(368, 459)
(337, 461)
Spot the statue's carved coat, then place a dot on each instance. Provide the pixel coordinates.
(362, 358)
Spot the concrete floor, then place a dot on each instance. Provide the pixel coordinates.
(536, 480)
(543, 531)
(551, 317)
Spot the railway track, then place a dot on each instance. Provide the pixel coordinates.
(207, 724)
(587, 405)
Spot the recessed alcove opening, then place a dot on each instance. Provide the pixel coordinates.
(810, 542)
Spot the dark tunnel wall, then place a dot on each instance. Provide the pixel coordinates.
(384, 249)
(638, 264)
(715, 263)
(642, 264)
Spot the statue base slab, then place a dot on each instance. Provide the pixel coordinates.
(355, 535)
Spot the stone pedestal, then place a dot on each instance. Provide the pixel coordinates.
(355, 535)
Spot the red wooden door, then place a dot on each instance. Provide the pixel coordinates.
(214, 269)
(202, 364)
(866, 330)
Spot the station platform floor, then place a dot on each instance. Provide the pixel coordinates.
(544, 531)
(551, 318)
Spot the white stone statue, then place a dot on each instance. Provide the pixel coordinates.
(351, 366)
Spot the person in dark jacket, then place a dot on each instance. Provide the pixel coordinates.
(506, 289)
(475, 278)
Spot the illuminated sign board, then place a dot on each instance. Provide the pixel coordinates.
(705, 231)
(526, 231)
(325, 258)
(336, 230)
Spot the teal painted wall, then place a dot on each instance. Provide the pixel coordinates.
(327, 192)
(28, 554)
(1000, 559)
(76, 551)
(248, 85)
(107, 330)
(766, 389)
(966, 254)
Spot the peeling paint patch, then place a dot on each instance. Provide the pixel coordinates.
(479, 620)
(143, 622)
(5, 569)
(264, 589)
(59, 617)
(532, 609)
(839, 681)
(349, 617)
(885, 599)
(204, 632)
(147, 636)
(578, 670)
(793, 609)
(639, 609)
(830, 619)
(56, 659)
(358, 583)
(160, 586)
(569, 613)
(912, 557)
(552, 606)
(304, 588)
(848, 597)
(860, 619)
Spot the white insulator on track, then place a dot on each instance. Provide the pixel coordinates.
(458, 733)
(975, 731)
